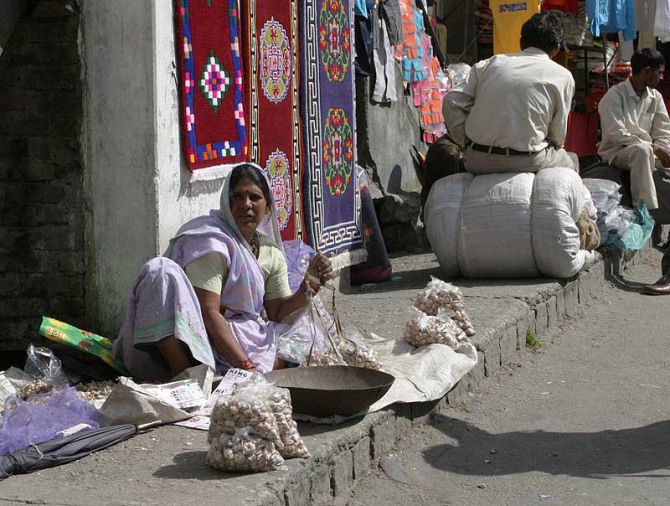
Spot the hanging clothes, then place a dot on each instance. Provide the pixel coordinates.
(411, 52)
(384, 62)
(428, 95)
(389, 11)
(610, 16)
(508, 18)
(662, 21)
(571, 6)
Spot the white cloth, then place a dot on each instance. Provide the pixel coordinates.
(628, 119)
(519, 101)
(645, 12)
(662, 20)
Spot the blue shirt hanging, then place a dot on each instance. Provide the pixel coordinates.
(611, 16)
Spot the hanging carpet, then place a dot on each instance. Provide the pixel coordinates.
(271, 36)
(331, 198)
(210, 82)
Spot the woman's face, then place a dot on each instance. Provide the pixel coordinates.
(248, 206)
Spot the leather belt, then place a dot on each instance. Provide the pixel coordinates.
(495, 150)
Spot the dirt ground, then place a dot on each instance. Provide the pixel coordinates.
(584, 420)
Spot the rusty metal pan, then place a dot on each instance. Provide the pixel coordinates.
(332, 390)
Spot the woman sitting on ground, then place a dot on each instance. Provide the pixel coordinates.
(203, 302)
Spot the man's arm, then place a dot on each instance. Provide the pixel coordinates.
(612, 124)
(558, 127)
(456, 107)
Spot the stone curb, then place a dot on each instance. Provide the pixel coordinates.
(330, 474)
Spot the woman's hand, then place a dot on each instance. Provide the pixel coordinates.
(321, 268)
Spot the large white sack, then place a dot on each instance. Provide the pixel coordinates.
(495, 236)
(443, 219)
(558, 200)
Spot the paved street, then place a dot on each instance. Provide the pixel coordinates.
(583, 421)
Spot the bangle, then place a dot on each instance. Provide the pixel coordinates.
(246, 364)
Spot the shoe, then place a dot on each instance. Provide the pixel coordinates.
(661, 287)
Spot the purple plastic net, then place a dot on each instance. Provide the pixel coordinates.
(41, 417)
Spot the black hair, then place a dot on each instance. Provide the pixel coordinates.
(543, 31)
(247, 172)
(646, 57)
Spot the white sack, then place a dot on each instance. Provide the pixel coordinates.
(558, 200)
(443, 219)
(507, 225)
(495, 235)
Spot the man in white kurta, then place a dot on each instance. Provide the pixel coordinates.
(635, 126)
(511, 114)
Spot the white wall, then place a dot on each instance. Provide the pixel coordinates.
(178, 199)
(137, 187)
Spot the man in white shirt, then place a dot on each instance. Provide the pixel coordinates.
(511, 114)
(636, 138)
(635, 126)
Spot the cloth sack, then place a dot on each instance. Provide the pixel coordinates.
(507, 224)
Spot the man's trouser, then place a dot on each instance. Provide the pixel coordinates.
(478, 162)
(639, 159)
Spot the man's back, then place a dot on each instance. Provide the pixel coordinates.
(522, 101)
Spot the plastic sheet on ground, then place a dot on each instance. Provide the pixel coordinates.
(421, 374)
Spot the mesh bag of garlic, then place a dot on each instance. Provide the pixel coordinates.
(242, 451)
(423, 329)
(440, 295)
(265, 412)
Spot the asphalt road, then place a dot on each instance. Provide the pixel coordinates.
(585, 420)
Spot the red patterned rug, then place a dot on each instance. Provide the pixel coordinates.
(272, 89)
(211, 83)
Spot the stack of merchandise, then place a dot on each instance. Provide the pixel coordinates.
(484, 23)
(612, 218)
(576, 30)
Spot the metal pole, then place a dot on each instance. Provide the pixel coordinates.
(467, 22)
(607, 75)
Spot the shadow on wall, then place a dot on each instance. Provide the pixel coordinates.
(580, 454)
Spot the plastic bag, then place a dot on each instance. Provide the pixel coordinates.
(458, 72)
(440, 295)
(265, 411)
(601, 186)
(42, 417)
(423, 329)
(44, 366)
(293, 337)
(638, 233)
(242, 451)
(356, 353)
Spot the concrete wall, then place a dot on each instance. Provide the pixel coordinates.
(41, 182)
(137, 187)
(387, 135)
(10, 13)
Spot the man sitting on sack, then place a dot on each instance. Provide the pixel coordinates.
(511, 114)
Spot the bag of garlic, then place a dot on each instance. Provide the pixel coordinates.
(440, 295)
(265, 410)
(356, 353)
(423, 329)
(242, 451)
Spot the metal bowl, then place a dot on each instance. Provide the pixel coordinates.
(332, 390)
